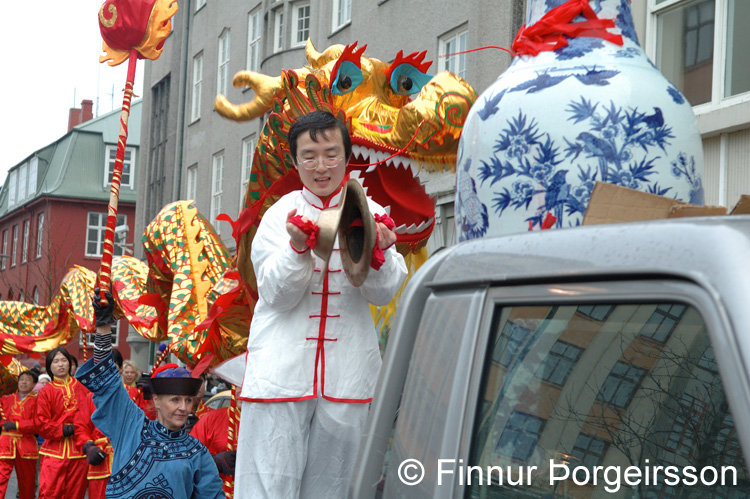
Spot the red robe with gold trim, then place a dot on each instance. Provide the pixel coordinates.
(63, 470)
(19, 448)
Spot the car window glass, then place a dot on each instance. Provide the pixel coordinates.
(623, 400)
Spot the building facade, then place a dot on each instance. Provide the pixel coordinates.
(53, 211)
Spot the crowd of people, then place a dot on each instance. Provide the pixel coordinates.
(48, 435)
(307, 378)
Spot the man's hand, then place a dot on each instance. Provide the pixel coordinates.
(68, 430)
(94, 455)
(9, 426)
(386, 237)
(296, 236)
(104, 315)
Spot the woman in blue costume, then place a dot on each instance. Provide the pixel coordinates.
(152, 459)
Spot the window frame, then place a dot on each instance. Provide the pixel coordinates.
(453, 36)
(254, 56)
(295, 31)
(223, 59)
(109, 166)
(337, 21)
(720, 51)
(278, 30)
(25, 244)
(217, 168)
(39, 235)
(14, 247)
(101, 228)
(195, 93)
(3, 260)
(191, 184)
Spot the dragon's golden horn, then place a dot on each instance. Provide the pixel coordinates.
(318, 60)
(265, 87)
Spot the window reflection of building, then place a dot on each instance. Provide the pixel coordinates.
(559, 363)
(607, 385)
(520, 435)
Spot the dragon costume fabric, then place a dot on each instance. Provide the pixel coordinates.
(192, 291)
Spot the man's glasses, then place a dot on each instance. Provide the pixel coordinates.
(328, 162)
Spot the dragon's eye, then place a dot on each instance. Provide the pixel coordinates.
(404, 84)
(344, 83)
(407, 75)
(346, 79)
(346, 74)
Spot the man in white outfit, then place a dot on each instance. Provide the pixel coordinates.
(312, 352)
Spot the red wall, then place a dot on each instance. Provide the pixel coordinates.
(63, 246)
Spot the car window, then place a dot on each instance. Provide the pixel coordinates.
(603, 401)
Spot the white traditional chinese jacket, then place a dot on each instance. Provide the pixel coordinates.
(312, 333)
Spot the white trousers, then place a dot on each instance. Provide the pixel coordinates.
(305, 449)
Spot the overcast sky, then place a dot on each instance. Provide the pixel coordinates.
(51, 63)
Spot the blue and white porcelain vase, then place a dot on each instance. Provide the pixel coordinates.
(536, 141)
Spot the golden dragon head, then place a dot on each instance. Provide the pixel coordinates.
(401, 119)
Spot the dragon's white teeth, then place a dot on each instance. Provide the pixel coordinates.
(371, 168)
(414, 170)
(387, 210)
(354, 174)
(413, 228)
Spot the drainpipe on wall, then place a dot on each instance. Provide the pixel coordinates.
(182, 104)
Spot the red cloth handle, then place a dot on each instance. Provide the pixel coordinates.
(309, 228)
(552, 31)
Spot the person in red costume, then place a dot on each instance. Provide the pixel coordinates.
(17, 443)
(59, 421)
(212, 431)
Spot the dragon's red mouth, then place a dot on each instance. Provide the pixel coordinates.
(394, 184)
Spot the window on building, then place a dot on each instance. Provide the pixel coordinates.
(39, 234)
(300, 24)
(248, 150)
(588, 451)
(701, 44)
(687, 418)
(199, 4)
(560, 361)
(22, 296)
(621, 384)
(22, 171)
(127, 166)
(222, 82)
(157, 194)
(95, 228)
(663, 321)
(25, 248)
(12, 186)
(192, 182)
(520, 435)
(33, 168)
(510, 342)
(278, 29)
(342, 13)
(14, 250)
(195, 107)
(4, 257)
(254, 26)
(35, 295)
(217, 186)
(453, 43)
(596, 312)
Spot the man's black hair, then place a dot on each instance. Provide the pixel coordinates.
(318, 122)
(117, 357)
(30, 372)
(52, 354)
